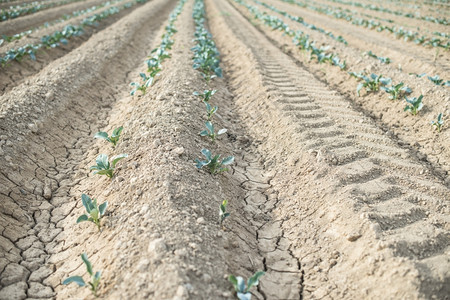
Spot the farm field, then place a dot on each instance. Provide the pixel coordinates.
(331, 119)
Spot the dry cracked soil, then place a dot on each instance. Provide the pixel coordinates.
(331, 194)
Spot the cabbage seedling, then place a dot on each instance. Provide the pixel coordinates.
(95, 278)
(148, 81)
(206, 95)
(94, 211)
(436, 80)
(215, 166)
(372, 83)
(210, 131)
(396, 90)
(113, 139)
(223, 214)
(438, 123)
(104, 167)
(210, 110)
(416, 104)
(242, 289)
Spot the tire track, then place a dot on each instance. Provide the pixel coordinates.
(380, 181)
(34, 208)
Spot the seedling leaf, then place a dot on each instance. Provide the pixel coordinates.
(77, 279)
(82, 218)
(87, 263)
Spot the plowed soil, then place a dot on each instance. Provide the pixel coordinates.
(333, 195)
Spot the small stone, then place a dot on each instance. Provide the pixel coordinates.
(144, 209)
(50, 96)
(201, 220)
(143, 265)
(182, 291)
(181, 252)
(157, 246)
(33, 128)
(157, 143)
(120, 179)
(178, 150)
(353, 236)
(207, 278)
(47, 191)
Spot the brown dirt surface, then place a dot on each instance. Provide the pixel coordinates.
(332, 195)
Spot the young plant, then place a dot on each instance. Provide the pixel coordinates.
(210, 131)
(206, 95)
(372, 83)
(438, 123)
(148, 81)
(95, 278)
(436, 80)
(223, 214)
(113, 139)
(94, 211)
(104, 167)
(210, 110)
(242, 289)
(214, 165)
(396, 91)
(416, 104)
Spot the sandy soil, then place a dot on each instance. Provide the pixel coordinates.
(331, 194)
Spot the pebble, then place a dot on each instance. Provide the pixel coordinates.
(157, 246)
(49, 96)
(157, 143)
(178, 150)
(33, 128)
(201, 220)
(47, 191)
(353, 236)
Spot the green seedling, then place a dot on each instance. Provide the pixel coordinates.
(242, 289)
(396, 91)
(436, 80)
(104, 167)
(113, 139)
(372, 83)
(95, 278)
(223, 214)
(438, 123)
(210, 131)
(206, 95)
(148, 81)
(215, 166)
(416, 104)
(94, 211)
(210, 110)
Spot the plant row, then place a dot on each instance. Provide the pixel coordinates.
(300, 39)
(370, 83)
(66, 17)
(301, 21)
(398, 32)
(159, 54)
(29, 8)
(373, 7)
(106, 166)
(62, 37)
(206, 61)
